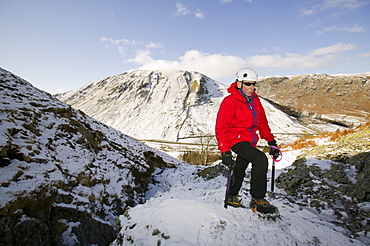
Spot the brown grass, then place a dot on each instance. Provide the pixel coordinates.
(199, 157)
(308, 142)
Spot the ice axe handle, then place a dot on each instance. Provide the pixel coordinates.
(272, 175)
(228, 184)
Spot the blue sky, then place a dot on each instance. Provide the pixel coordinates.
(63, 45)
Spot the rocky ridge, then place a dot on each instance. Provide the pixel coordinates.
(342, 98)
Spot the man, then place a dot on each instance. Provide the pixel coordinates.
(239, 117)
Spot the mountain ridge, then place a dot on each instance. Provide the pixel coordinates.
(341, 97)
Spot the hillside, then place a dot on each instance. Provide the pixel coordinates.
(341, 98)
(322, 201)
(65, 177)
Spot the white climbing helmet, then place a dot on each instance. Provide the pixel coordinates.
(246, 74)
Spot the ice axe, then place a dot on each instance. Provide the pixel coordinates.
(273, 166)
(228, 184)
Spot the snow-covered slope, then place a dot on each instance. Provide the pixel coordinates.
(64, 177)
(168, 105)
(188, 210)
(323, 200)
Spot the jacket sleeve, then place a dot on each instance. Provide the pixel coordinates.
(263, 126)
(224, 117)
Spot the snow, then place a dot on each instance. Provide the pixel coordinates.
(188, 210)
(68, 236)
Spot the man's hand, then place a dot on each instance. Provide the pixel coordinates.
(226, 158)
(275, 153)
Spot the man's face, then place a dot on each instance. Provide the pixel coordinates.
(246, 86)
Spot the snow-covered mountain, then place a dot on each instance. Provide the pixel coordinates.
(168, 105)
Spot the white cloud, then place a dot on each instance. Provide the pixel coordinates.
(289, 61)
(154, 45)
(120, 44)
(142, 57)
(220, 66)
(354, 28)
(125, 46)
(229, 1)
(212, 64)
(117, 41)
(335, 4)
(333, 49)
(199, 14)
(60, 90)
(364, 55)
(181, 10)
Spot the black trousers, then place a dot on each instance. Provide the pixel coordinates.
(246, 154)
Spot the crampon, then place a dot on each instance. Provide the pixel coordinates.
(271, 216)
(264, 210)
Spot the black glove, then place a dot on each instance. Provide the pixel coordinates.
(275, 153)
(226, 158)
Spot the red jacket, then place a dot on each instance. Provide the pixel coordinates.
(238, 120)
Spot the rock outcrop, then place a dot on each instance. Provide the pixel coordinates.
(340, 187)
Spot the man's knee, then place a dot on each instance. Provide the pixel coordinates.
(260, 159)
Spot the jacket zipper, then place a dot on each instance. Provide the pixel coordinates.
(251, 107)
